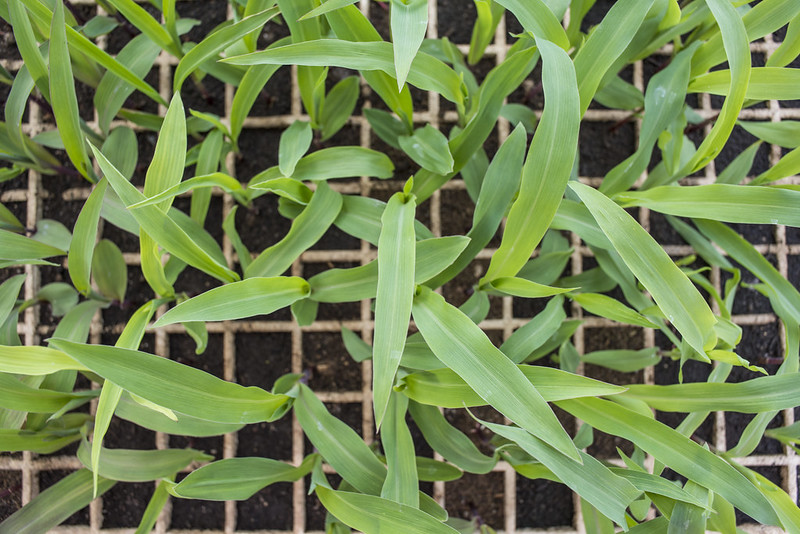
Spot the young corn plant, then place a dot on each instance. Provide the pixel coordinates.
(527, 192)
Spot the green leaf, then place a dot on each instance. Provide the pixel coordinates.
(55, 504)
(547, 166)
(254, 296)
(19, 396)
(538, 18)
(83, 45)
(17, 247)
(624, 361)
(186, 425)
(605, 45)
(81, 248)
(356, 347)
(443, 387)
(663, 101)
(611, 308)
(249, 88)
(164, 229)
(369, 513)
(238, 479)
(339, 444)
(63, 98)
(229, 227)
(787, 166)
(123, 148)
(462, 346)
(784, 133)
(306, 230)
(131, 465)
(295, 142)
(428, 148)
(489, 15)
(722, 202)
(785, 297)
(154, 508)
(144, 22)
(402, 481)
(327, 7)
(737, 50)
(660, 486)
(338, 106)
(678, 452)
(361, 218)
(609, 493)
(166, 168)
(737, 170)
(357, 283)
(112, 91)
(342, 162)
(225, 182)
(519, 287)
(409, 22)
(767, 83)
(427, 72)
(430, 470)
(9, 291)
(680, 301)
(535, 332)
(448, 441)
(27, 46)
(176, 386)
(395, 293)
(789, 49)
(752, 396)
(53, 233)
(216, 42)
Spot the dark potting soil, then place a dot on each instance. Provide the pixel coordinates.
(543, 504)
(737, 143)
(10, 493)
(8, 44)
(192, 514)
(477, 497)
(328, 364)
(272, 507)
(602, 145)
(125, 503)
(456, 20)
(477, 433)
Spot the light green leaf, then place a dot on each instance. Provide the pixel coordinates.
(427, 73)
(176, 386)
(402, 482)
(681, 454)
(361, 218)
(737, 170)
(784, 133)
(343, 162)
(327, 7)
(254, 296)
(395, 293)
(680, 301)
(611, 308)
(238, 479)
(225, 182)
(428, 148)
(547, 166)
(63, 98)
(164, 229)
(448, 441)
(737, 49)
(356, 347)
(166, 168)
(123, 149)
(535, 332)
(19, 396)
(131, 465)
(605, 45)
(9, 291)
(722, 202)
(34, 360)
(519, 287)
(538, 18)
(338, 106)
(766, 83)
(144, 22)
(462, 346)
(55, 504)
(216, 42)
(154, 508)
(27, 46)
(295, 142)
(338, 444)
(609, 493)
(357, 283)
(306, 230)
(229, 227)
(81, 248)
(159, 421)
(624, 361)
(409, 22)
(443, 387)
